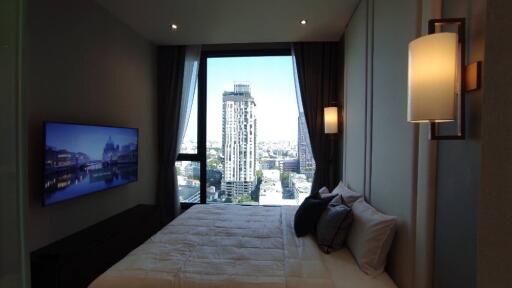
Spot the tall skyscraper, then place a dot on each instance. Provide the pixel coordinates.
(306, 160)
(238, 141)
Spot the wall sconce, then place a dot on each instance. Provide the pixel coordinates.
(438, 78)
(331, 120)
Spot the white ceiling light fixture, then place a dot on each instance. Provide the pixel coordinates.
(303, 22)
(173, 27)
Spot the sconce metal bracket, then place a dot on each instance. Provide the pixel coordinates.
(434, 26)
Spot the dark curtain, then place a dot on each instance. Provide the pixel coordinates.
(171, 61)
(318, 73)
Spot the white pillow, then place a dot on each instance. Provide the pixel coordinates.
(324, 193)
(348, 195)
(370, 237)
(324, 190)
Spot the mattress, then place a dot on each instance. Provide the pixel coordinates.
(219, 245)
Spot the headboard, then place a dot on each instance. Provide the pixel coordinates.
(380, 149)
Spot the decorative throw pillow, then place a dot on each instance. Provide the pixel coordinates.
(370, 237)
(308, 213)
(333, 227)
(348, 195)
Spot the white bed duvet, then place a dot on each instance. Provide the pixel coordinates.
(235, 246)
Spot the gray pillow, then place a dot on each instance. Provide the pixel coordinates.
(349, 196)
(333, 227)
(370, 237)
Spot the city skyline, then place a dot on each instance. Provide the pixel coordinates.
(272, 86)
(257, 143)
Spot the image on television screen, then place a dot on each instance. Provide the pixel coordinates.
(82, 159)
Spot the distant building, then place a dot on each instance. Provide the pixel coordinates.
(306, 160)
(289, 165)
(238, 141)
(211, 194)
(267, 164)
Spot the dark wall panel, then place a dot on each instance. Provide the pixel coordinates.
(458, 171)
(82, 65)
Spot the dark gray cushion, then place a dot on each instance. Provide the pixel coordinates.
(308, 213)
(333, 227)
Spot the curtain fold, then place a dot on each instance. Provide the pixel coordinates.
(317, 75)
(171, 62)
(190, 74)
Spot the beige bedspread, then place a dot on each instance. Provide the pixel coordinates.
(233, 246)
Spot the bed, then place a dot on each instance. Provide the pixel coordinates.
(222, 245)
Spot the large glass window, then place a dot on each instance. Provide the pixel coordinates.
(252, 141)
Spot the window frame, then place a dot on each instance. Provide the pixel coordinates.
(201, 151)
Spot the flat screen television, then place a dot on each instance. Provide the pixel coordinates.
(82, 159)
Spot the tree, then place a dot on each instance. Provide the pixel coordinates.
(244, 198)
(214, 163)
(285, 179)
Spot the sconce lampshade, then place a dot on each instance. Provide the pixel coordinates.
(432, 89)
(331, 120)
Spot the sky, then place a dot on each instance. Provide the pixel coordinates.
(87, 139)
(272, 87)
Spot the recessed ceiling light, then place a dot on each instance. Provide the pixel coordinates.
(174, 27)
(303, 21)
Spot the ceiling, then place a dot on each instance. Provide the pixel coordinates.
(234, 21)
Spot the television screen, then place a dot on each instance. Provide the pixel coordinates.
(82, 159)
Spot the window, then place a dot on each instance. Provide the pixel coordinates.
(247, 142)
(189, 143)
(188, 173)
(188, 165)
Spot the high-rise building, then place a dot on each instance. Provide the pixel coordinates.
(306, 160)
(238, 141)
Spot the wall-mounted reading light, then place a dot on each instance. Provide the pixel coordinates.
(331, 120)
(438, 76)
(432, 78)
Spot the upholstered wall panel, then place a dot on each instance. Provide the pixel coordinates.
(355, 99)
(380, 146)
(393, 138)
